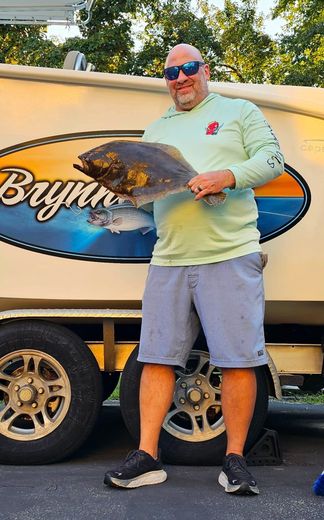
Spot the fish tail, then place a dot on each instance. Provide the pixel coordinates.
(216, 199)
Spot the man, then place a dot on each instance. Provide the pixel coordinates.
(207, 260)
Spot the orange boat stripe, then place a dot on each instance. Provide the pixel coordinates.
(283, 186)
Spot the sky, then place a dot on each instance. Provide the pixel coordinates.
(272, 26)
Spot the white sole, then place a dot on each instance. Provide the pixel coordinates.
(242, 489)
(152, 477)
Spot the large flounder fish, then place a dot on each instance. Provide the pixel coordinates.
(139, 171)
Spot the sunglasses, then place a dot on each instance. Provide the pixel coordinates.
(189, 69)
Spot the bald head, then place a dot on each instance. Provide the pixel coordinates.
(183, 49)
(189, 88)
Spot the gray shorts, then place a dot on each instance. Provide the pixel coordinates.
(226, 297)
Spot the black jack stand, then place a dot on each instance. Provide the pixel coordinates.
(266, 451)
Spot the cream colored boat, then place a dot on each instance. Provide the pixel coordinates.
(59, 270)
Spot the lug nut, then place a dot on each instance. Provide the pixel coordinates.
(197, 407)
(41, 390)
(198, 382)
(16, 388)
(206, 395)
(182, 400)
(19, 403)
(34, 405)
(183, 385)
(30, 380)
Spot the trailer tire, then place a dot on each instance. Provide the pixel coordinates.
(179, 443)
(313, 383)
(50, 392)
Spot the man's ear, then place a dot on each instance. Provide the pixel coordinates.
(207, 71)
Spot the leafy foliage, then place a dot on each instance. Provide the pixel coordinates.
(170, 23)
(28, 46)
(301, 47)
(107, 41)
(134, 37)
(248, 53)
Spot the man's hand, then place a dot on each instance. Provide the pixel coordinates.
(211, 182)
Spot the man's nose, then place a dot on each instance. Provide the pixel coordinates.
(182, 77)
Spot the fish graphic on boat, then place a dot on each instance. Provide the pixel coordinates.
(122, 217)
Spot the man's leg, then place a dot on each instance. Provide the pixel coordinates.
(238, 400)
(169, 328)
(143, 466)
(229, 299)
(156, 394)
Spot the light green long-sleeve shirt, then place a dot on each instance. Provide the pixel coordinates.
(219, 133)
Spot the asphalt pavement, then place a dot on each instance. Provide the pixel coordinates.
(74, 489)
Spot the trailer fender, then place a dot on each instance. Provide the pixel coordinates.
(273, 379)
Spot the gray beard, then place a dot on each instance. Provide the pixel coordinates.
(184, 99)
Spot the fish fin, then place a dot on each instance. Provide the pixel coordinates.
(128, 203)
(145, 230)
(127, 199)
(215, 199)
(148, 207)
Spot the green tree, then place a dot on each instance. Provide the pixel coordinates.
(28, 45)
(134, 36)
(248, 53)
(302, 44)
(107, 41)
(167, 24)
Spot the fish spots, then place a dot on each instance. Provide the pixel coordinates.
(112, 155)
(101, 164)
(137, 177)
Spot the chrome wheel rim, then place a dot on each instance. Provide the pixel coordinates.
(195, 415)
(35, 394)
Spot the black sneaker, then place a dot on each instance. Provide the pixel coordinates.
(138, 469)
(236, 478)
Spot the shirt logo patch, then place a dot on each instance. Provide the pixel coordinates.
(213, 128)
